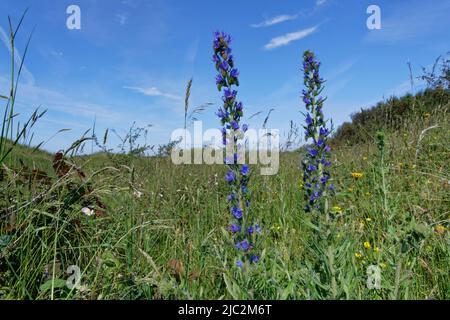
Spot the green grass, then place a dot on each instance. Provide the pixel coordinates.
(170, 243)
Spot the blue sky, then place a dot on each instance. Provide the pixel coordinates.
(131, 59)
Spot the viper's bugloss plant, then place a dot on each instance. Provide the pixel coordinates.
(243, 228)
(315, 163)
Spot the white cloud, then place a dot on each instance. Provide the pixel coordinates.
(320, 2)
(56, 54)
(288, 38)
(275, 20)
(154, 92)
(121, 18)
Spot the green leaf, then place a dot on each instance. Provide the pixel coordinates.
(57, 283)
(232, 287)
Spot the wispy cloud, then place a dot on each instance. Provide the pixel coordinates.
(289, 37)
(121, 18)
(56, 54)
(192, 51)
(275, 20)
(130, 3)
(320, 2)
(26, 74)
(339, 77)
(31, 95)
(153, 92)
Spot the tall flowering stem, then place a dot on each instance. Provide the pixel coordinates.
(242, 227)
(315, 163)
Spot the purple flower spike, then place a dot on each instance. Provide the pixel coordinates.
(238, 175)
(315, 174)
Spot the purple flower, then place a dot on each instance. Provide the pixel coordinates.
(224, 66)
(234, 125)
(237, 213)
(254, 259)
(309, 120)
(222, 114)
(324, 179)
(230, 176)
(315, 129)
(230, 115)
(245, 245)
(319, 143)
(235, 228)
(229, 94)
(219, 79)
(257, 228)
(313, 152)
(250, 230)
(323, 131)
(307, 100)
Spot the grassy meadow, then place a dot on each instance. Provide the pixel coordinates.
(156, 230)
(163, 234)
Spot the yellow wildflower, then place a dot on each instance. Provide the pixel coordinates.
(357, 175)
(369, 219)
(367, 245)
(337, 209)
(358, 255)
(376, 249)
(439, 229)
(350, 189)
(364, 158)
